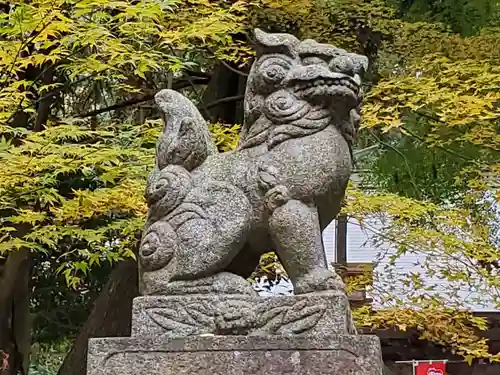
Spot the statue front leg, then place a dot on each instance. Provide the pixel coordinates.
(296, 233)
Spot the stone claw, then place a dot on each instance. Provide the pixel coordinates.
(276, 197)
(268, 177)
(319, 280)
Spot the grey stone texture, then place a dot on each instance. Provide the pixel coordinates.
(212, 215)
(179, 316)
(236, 355)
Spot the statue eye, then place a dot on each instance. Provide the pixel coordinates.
(274, 69)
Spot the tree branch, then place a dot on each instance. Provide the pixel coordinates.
(407, 164)
(445, 149)
(176, 86)
(228, 99)
(193, 73)
(64, 87)
(234, 70)
(126, 103)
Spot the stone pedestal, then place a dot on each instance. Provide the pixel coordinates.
(238, 335)
(179, 316)
(236, 355)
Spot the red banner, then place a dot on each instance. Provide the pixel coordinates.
(434, 368)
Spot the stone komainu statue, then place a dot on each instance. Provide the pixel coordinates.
(212, 215)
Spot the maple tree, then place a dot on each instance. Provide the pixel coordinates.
(72, 182)
(78, 132)
(438, 103)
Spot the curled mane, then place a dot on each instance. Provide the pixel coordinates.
(274, 109)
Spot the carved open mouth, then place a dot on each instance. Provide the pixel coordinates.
(326, 86)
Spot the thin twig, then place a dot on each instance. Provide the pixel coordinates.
(365, 150)
(410, 173)
(234, 70)
(176, 85)
(202, 104)
(228, 99)
(23, 44)
(451, 152)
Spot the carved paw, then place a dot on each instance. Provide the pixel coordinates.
(268, 177)
(319, 280)
(276, 194)
(277, 197)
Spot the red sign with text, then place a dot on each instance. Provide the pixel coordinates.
(434, 368)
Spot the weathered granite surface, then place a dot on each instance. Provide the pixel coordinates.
(179, 316)
(211, 215)
(236, 355)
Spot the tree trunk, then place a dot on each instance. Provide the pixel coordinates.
(15, 338)
(15, 271)
(43, 110)
(110, 317)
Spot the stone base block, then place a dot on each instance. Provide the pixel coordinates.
(188, 315)
(237, 355)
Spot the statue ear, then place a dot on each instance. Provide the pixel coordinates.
(260, 37)
(360, 63)
(275, 42)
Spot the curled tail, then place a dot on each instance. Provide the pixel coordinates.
(185, 140)
(184, 144)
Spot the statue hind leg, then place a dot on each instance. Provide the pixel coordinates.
(187, 251)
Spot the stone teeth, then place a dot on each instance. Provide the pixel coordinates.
(304, 88)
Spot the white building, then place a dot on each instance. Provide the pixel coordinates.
(360, 249)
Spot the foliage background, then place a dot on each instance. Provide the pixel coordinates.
(78, 129)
